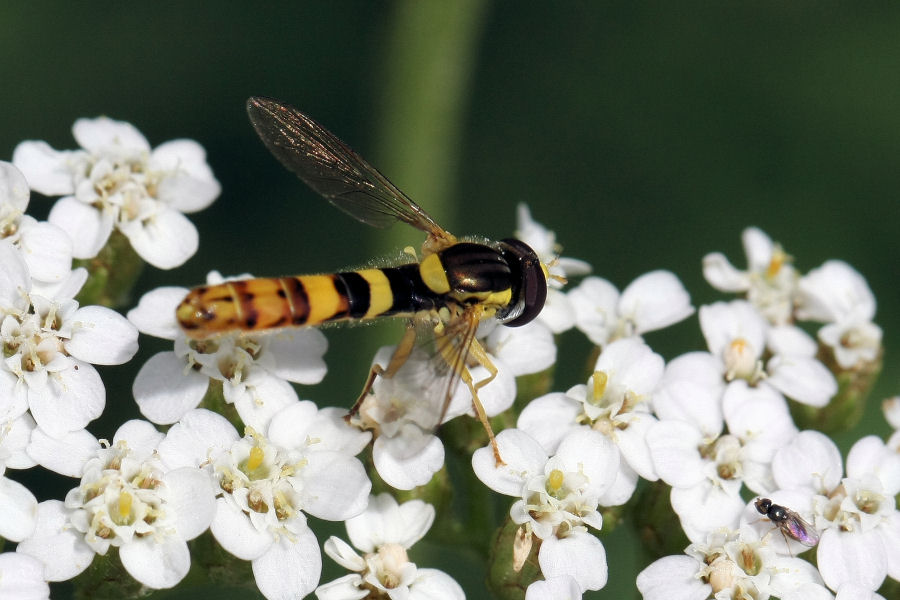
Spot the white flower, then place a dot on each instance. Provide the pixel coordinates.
(770, 281)
(403, 411)
(22, 578)
(730, 564)
(856, 515)
(129, 500)
(46, 248)
(558, 313)
(558, 497)
(117, 182)
(839, 296)
(49, 344)
(17, 519)
(384, 532)
(266, 484)
(652, 301)
(737, 336)
(254, 369)
(615, 402)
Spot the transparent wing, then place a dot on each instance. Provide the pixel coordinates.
(331, 168)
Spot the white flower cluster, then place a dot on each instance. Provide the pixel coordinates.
(707, 426)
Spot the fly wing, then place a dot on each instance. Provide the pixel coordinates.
(800, 530)
(331, 168)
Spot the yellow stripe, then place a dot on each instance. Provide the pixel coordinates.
(324, 300)
(381, 298)
(434, 275)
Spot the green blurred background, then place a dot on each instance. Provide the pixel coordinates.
(645, 134)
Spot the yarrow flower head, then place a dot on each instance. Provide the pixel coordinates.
(254, 370)
(385, 531)
(266, 483)
(116, 181)
(49, 344)
(127, 499)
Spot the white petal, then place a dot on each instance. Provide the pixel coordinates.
(673, 578)
(290, 569)
(632, 443)
(803, 379)
(722, 323)
(22, 577)
(558, 313)
(549, 419)
(835, 291)
(199, 435)
(674, 449)
(298, 355)
(47, 250)
(103, 135)
(65, 455)
(722, 275)
(870, 455)
(432, 584)
(14, 192)
(409, 459)
(579, 555)
(705, 508)
(347, 587)
(594, 301)
(621, 489)
(811, 460)
(234, 532)
(790, 339)
(758, 247)
(70, 400)
(524, 350)
(343, 554)
(591, 453)
(263, 396)
(563, 587)
(57, 544)
(101, 336)
(166, 240)
(691, 390)
(17, 519)
(191, 186)
(523, 457)
(325, 429)
(155, 312)
(336, 486)
(759, 417)
(47, 170)
(632, 364)
(386, 522)
(164, 391)
(15, 280)
(853, 556)
(14, 441)
(87, 228)
(142, 437)
(157, 563)
(655, 300)
(190, 494)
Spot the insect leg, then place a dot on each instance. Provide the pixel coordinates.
(400, 356)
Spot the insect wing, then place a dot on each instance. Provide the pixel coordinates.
(331, 168)
(796, 527)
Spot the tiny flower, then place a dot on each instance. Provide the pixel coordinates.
(254, 369)
(267, 483)
(652, 301)
(558, 313)
(385, 531)
(117, 182)
(839, 296)
(46, 249)
(616, 402)
(49, 344)
(129, 500)
(558, 497)
(769, 283)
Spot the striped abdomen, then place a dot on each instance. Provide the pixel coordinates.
(270, 303)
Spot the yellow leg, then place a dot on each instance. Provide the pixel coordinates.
(400, 356)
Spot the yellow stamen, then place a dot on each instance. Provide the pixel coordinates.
(555, 481)
(600, 381)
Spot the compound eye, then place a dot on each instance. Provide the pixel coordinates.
(529, 282)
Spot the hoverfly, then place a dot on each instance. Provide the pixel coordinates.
(450, 290)
(790, 523)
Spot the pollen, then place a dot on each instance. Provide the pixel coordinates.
(600, 380)
(555, 481)
(125, 501)
(256, 458)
